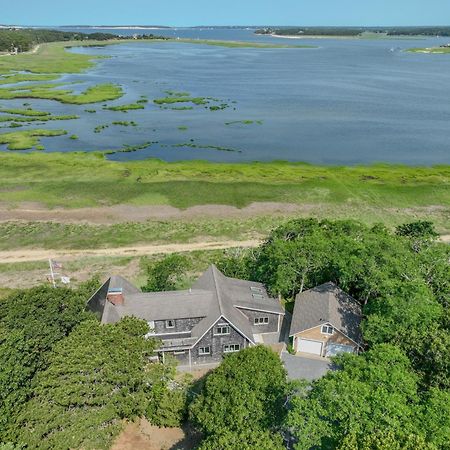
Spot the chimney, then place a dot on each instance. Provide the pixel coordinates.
(115, 297)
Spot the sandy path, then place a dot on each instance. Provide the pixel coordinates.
(16, 256)
(106, 215)
(34, 50)
(27, 255)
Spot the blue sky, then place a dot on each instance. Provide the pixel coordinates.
(226, 12)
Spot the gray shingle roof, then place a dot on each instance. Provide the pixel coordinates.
(212, 296)
(222, 306)
(118, 282)
(166, 305)
(327, 303)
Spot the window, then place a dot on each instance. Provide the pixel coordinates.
(222, 329)
(258, 296)
(170, 323)
(261, 320)
(204, 351)
(327, 329)
(231, 348)
(256, 290)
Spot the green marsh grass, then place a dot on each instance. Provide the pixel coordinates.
(67, 179)
(94, 94)
(23, 140)
(125, 108)
(24, 112)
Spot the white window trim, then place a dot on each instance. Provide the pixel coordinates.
(203, 353)
(231, 345)
(326, 332)
(166, 323)
(222, 334)
(257, 321)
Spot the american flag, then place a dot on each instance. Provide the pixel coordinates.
(56, 265)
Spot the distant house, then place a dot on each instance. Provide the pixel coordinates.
(326, 321)
(217, 316)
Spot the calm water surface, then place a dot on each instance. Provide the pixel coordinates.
(346, 102)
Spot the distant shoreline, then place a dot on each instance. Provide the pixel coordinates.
(312, 36)
(120, 28)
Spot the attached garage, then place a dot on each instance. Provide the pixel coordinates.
(307, 346)
(336, 349)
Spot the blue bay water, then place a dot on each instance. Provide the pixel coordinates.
(345, 102)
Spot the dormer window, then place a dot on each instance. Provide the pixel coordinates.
(258, 296)
(256, 290)
(261, 320)
(170, 323)
(327, 329)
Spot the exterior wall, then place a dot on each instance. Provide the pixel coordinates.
(180, 325)
(216, 343)
(315, 334)
(96, 303)
(271, 327)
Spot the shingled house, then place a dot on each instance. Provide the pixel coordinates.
(326, 321)
(217, 316)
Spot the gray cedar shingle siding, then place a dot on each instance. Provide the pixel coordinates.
(271, 327)
(181, 325)
(213, 298)
(327, 303)
(216, 343)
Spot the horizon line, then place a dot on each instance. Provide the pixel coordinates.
(222, 26)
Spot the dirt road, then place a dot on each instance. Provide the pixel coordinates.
(26, 255)
(107, 215)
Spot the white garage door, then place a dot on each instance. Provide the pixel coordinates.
(313, 347)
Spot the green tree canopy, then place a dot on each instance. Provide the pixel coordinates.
(249, 439)
(246, 392)
(95, 378)
(165, 274)
(375, 394)
(32, 321)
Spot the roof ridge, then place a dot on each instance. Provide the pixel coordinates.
(330, 301)
(216, 287)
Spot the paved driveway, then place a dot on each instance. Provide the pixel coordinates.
(304, 367)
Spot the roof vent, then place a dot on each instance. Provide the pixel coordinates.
(256, 290)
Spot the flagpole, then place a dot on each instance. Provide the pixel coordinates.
(51, 272)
